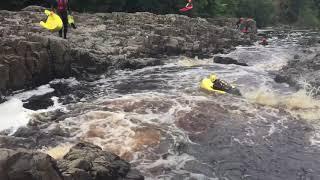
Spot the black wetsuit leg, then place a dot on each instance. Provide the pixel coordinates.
(223, 86)
(64, 17)
(220, 85)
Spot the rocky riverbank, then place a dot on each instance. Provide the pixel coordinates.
(29, 55)
(83, 161)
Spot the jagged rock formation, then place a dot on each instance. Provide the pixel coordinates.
(29, 55)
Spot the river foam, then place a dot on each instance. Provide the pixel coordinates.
(301, 104)
(13, 115)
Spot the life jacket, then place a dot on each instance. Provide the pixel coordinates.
(62, 5)
(245, 30)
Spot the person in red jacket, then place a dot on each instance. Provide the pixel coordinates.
(189, 3)
(264, 41)
(62, 9)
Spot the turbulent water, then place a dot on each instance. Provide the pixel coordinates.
(159, 120)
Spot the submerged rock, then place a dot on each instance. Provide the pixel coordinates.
(30, 55)
(228, 60)
(84, 161)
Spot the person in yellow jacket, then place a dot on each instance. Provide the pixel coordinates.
(214, 84)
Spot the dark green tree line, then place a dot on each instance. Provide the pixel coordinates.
(305, 12)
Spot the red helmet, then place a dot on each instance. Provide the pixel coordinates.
(189, 1)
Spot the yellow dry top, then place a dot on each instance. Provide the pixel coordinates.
(53, 23)
(206, 84)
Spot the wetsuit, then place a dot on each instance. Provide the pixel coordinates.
(224, 86)
(62, 11)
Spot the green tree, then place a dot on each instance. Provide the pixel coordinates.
(261, 10)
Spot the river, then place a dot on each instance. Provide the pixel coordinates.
(159, 120)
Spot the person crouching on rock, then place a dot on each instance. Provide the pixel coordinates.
(239, 23)
(242, 25)
(62, 10)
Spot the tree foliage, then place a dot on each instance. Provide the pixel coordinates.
(264, 11)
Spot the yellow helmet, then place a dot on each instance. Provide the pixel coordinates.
(213, 77)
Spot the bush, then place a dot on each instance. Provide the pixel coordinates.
(308, 18)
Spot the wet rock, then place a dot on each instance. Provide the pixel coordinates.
(39, 102)
(38, 137)
(4, 74)
(228, 60)
(90, 161)
(46, 119)
(71, 93)
(34, 9)
(32, 60)
(301, 70)
(141, 63)
(33, 137)
(27, 165)
(133, 175)
(57, 130)
(83, 162)
(12, 142)
(2, 98)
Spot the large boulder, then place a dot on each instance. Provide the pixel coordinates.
(84, 161)
(87, 161)
(27, 165)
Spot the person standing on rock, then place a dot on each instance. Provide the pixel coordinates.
(187, 8)
(62, 9)
(189, 3)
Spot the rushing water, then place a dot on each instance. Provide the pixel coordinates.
(158, 119)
